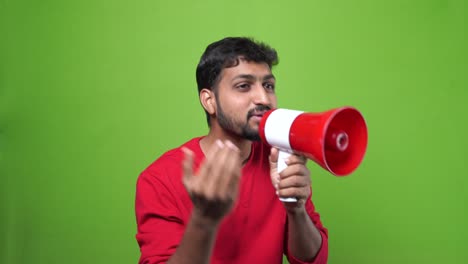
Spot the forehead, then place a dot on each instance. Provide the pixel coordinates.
(245, 68)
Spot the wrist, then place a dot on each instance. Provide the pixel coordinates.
(201, 221)
(296, 210)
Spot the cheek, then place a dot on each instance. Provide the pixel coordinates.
(239, 110)
(236, 104)
(234, 108)
(273, 101)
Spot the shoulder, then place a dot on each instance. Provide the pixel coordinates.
(169, 164)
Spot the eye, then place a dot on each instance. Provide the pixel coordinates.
(243, 86)
(269, 86)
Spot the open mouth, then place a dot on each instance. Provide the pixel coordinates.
(258, 114)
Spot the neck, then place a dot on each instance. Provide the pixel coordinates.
(244, 145)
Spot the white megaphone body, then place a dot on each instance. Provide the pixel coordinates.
(335, 139)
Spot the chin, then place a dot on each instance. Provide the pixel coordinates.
(250, 132)
(252, 135)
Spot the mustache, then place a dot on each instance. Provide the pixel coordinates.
(260, 108)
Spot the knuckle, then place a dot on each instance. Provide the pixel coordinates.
(296, 169)
(195, 190)
(284, 192)
(209, 195)
(187, 184)
(281, 192)
(297, 181)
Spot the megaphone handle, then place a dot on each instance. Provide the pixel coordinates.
(281, 165)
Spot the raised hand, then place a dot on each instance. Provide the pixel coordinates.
(214, 189)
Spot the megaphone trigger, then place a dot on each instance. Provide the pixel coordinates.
(282, 156)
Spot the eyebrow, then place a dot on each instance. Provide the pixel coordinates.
(252, 77)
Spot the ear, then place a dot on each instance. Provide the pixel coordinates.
(207, 99)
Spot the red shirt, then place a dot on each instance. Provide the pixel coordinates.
(254, 232)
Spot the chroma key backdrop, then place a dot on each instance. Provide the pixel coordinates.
(93, 91)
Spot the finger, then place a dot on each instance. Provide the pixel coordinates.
(296, 159)
(229, 186)
(199, 183)
(295, 169)
(187, 166)
(298, 192)
(294, 182)
(207, 163)
(273, 158)
(218, 172)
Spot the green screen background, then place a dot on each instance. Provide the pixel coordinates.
(91, 92)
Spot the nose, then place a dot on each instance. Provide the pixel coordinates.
(260, 96)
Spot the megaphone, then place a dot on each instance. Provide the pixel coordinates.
(335, 139)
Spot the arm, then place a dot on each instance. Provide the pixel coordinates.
(213, 192)
(292, 250)
(306, 237)
(197, 242)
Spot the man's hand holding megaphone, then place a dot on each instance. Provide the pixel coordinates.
(293, 181)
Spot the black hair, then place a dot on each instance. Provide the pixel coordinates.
(226, 53)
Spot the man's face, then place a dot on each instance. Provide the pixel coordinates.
(244, 93)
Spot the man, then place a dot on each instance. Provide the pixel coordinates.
(215, 198)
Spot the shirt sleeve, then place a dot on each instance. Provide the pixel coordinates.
(159, 221)
(322, 254)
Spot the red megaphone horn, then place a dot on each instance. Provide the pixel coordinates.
(335, 139)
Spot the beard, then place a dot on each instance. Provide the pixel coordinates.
(239, 128)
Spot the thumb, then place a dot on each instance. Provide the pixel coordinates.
(273, 158)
